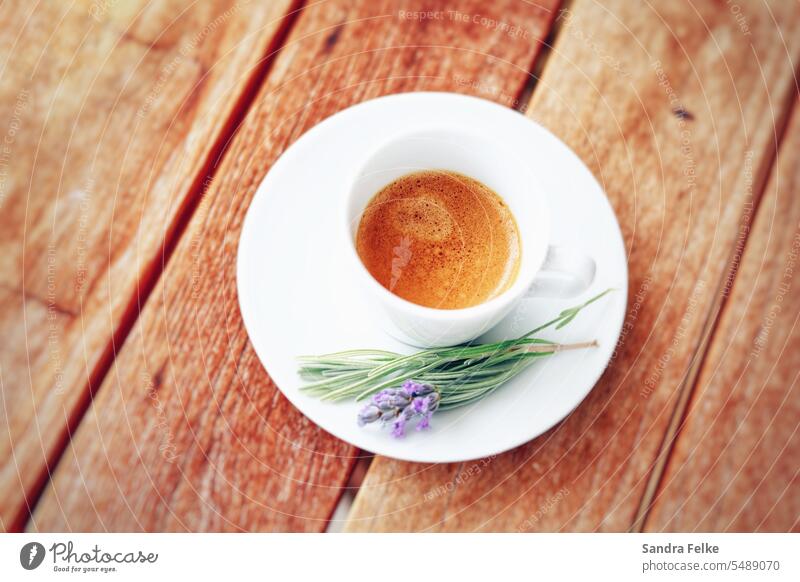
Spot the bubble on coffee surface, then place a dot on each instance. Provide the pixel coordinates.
(422, 218)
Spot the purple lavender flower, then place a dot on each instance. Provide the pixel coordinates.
(419, 405)
(399, 427)
(417, 389)
(400, 405)
(370, 413)
(389, 415)
(424, 422)
(426, 408)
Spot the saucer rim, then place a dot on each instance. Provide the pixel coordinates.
(417, 454)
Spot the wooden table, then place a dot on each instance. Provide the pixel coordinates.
(134, 135)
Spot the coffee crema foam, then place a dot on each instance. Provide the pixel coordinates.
(440, 239)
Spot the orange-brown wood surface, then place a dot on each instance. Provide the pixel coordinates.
(736, 463)
(110, 113)
(134, 134)
(187, 431)
(678, 113)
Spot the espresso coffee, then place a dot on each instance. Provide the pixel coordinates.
(440, 239)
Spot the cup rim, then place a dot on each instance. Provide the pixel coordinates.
(517, 289)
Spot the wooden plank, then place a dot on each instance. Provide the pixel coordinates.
(664, 103)
(736, 463)
(113, 112)
(188, 432)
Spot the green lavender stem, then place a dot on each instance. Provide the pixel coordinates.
(461, 374)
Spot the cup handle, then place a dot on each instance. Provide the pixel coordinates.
(565, 273)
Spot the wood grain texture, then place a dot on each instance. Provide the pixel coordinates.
(736, 463)
(113, 111)
(674, 109)
(188, 432)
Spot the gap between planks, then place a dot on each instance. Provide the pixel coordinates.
(152, 272)
(536, 68)
(341, 510)
(711, 324)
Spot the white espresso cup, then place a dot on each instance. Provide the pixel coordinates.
(544, 270)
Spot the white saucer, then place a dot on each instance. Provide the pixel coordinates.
(296, 297)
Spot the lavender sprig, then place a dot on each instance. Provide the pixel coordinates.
(397, 406)
(457, 376)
